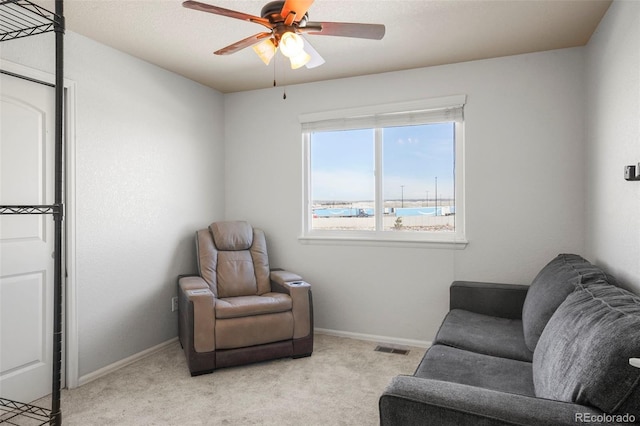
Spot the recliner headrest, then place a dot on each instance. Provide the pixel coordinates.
(232, 236)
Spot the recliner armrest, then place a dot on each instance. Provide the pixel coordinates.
(300, 292)
(495, 299)
(192, 282)
(285, 278)
(195, 300)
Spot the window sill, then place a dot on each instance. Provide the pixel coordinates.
(378, 240)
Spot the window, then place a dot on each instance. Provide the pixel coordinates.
(391, 172)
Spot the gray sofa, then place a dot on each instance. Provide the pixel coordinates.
(553, 353)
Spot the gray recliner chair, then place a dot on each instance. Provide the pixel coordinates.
(237, 310)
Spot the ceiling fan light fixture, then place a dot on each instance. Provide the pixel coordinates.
(291, 44)
(265, 50)
(300, 60)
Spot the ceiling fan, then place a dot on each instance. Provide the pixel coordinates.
(287, 21)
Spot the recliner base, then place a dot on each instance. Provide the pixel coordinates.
(207, 362)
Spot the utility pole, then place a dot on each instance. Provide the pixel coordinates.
(402, 195)
(436, 203)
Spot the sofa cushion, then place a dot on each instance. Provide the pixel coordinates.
(484, 334)
(549, 289)
(469, 368)
(583, 353)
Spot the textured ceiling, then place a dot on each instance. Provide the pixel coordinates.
(419, 33)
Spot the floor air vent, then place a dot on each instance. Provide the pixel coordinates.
(390, 350)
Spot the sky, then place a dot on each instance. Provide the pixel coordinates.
(342, 163)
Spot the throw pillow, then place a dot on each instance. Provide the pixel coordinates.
(583, 354)
(549, 289)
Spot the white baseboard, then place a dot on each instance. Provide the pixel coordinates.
(123, 362)
(374, 338)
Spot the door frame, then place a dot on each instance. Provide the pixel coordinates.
(70, 348)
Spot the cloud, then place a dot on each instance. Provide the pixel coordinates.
(408, 141)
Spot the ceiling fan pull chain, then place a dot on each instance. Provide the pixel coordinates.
(275, 84)
(284, 77)
(274, 73)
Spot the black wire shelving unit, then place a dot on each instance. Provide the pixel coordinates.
(22, 18)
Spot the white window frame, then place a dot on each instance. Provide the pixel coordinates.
(370, 117)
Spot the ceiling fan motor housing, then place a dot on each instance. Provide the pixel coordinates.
(271, 11)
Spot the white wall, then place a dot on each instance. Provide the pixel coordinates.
(524, 185)
(149, 171)
(613, 129)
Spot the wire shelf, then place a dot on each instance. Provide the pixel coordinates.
(49, 209)
(21, 18)
(18, 413)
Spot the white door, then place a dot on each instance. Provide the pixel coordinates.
(27, 112)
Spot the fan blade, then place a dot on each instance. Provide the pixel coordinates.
(300, 7)
(239, 45)
(203, 7)
(316, 59)
(345, 29)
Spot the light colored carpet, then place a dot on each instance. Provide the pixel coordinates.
(338, 385)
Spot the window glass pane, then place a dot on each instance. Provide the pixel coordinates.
(342, 180)
(418, 177)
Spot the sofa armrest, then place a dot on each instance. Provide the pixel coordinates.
(494, 299)
(196, 304)
(411, 401)
(300, 292)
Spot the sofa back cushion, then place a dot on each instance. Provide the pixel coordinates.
(549, 289)
(583, 354)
